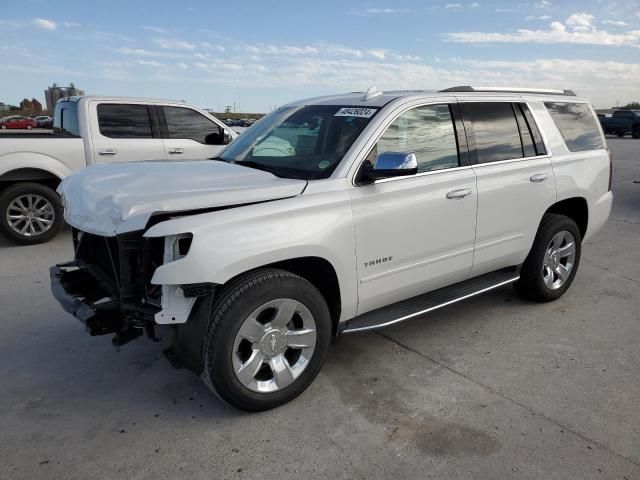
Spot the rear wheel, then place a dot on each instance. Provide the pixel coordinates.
(267, 339)
(4, 127)
(30, 213)
(29, 127)
(553, 261)
(636, 132)
(620, 134)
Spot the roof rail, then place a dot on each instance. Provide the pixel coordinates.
(468, 88)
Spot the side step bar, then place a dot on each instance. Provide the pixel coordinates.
(430, 301)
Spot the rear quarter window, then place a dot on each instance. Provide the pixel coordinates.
(577, 124)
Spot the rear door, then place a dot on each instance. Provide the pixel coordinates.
(515, 181)
(125, 132)
(188, 134)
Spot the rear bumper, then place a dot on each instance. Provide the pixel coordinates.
(82, 295)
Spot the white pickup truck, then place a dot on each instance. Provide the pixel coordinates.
(91, 130)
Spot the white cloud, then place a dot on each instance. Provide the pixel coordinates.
(154, 29)
(141, 52)
(542, 4)
(474, 4)
(577, 29)
(45, 24)
(580, 22)
(174, 44)
(71, 24)
(150, 63)
(453, 5)
(617, 23)
(377, 11)
(539, 17)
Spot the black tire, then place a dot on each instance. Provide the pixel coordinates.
(235, 303)
(531, 283)
(8, 195)
(4, 127)
(636, 133)
(620, 134)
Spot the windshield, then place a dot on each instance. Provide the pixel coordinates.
(304, 142)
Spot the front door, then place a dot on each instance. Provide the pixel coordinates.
(415, 233)
(189, 135)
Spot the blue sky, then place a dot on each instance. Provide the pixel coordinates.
(262, 54)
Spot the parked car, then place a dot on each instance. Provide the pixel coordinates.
(94, 130)
(17, 121)
(622, 122)
(381, 207)
(44, 121)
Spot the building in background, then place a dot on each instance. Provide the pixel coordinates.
(31, 107)
(55, 92)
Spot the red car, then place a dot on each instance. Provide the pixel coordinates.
(17, 121)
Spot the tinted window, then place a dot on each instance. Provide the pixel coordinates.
(65, 119)
(577, 125)
(124, 121)
(496, 131)
(426, 132)
(187, 123)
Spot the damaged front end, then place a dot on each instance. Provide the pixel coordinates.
(108, 285)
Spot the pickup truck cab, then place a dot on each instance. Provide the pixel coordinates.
(334, 215)
(93, 130)
(622, 122)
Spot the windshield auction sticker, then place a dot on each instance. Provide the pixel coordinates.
(355, 112)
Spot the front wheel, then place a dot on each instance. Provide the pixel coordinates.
(553, 261)
(620, 134)
(267, 339)
(29, 127)
(30, 213)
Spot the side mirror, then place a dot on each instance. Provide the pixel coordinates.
(389, 164)
(221, 137)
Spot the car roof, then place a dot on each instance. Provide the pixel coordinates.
(375, 98)
(113, 98)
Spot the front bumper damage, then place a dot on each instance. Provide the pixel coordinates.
(81, 294)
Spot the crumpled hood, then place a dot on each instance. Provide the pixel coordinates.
(115, 198)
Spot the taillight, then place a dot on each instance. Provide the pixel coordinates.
(610, 168)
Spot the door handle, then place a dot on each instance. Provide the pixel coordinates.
(458, 194)
(539, 177)
(176, 151)
(107, 151)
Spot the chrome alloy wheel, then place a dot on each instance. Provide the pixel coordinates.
(30, 215)
(559, 259)
(274, 345)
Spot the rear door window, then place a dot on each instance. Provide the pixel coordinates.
(124, 120)
(577, 124)
(495, 129)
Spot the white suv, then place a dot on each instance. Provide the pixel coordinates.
(333, 215)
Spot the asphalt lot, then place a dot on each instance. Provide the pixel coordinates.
(493, 388)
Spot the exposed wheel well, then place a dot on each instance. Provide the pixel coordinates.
(35, 175)
(322, 275)
(574, 208)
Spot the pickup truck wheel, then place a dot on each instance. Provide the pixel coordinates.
(636, 133)
(553, 261)
(267, 339)
(30, 213)
(620, 134)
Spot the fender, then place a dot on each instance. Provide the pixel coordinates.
(35, 160)
(230, 242)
